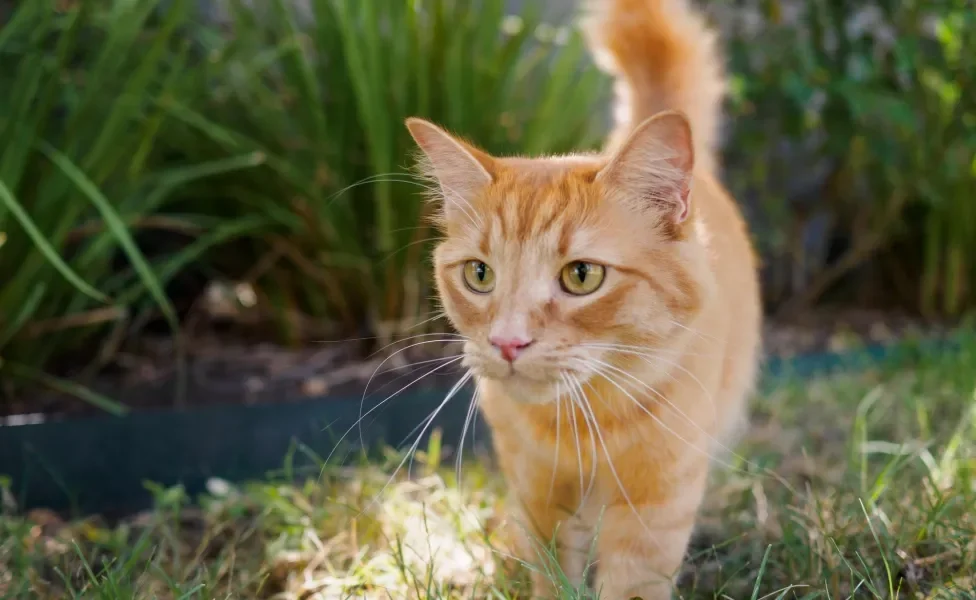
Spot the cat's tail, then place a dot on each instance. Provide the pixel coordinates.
(664, 57)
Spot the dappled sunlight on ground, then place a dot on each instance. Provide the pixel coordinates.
(859, 483)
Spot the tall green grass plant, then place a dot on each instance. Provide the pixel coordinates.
(324, 96)
(80, 177)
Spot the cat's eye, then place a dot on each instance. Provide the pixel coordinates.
(478, 276)
(580, 278)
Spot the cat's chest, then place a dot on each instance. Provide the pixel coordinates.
(568, 438)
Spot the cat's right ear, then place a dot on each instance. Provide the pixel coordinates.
(462, 170)
(653, 168)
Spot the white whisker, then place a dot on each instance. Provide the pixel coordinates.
(362, 400)
(555, 453)
(389, 256)
(440, 315)
(428, 421)
(584, 406)
(393, 343)
(387, 399)
(469, 418)
(474, 422)
(579, 453)
(448, 336)
(675, 408)
(650, 351)
(608, 376)
(578, 400)
(411, 369)
(408, 178)
(469, 211)
(703, 336)
(448, 194)
(648, 357)
(418, 363)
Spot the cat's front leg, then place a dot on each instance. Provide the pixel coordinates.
(532, 527)
(549, 540)
(640, 548)
(575, 540)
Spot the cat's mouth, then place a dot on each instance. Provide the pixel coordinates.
(508, 372)
(516, 372)
(536, 373)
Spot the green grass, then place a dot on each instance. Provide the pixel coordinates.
(858, 485)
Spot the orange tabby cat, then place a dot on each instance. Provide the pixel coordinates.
(610, 307)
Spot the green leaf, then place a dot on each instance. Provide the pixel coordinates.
(116, 226)
(23, 314)
(44, 246)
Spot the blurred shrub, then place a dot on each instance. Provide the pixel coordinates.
(323, 96)
(141, 141)
(853, 142)
(79, 178)
(270, 146)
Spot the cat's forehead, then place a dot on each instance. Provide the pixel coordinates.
(546, 231)
(547, 209)
(540, 203)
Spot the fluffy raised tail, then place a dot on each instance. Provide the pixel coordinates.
(664, 57)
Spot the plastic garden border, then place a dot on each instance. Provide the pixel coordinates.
(101, 464)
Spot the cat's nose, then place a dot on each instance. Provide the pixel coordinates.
(510, 347)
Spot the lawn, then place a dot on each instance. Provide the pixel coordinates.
(855, 485)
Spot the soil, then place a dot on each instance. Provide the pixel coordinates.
(222, 369)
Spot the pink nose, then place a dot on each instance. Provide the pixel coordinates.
(510, 347)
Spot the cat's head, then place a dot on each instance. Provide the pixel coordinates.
(573, 265)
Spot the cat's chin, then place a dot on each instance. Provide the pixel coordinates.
(524, 389)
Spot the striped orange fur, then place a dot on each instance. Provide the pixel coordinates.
(610, 307)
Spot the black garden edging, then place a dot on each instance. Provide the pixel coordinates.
(100, 464)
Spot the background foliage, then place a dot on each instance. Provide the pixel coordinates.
(853, 141)
(323, 97)
(148, 152)
(155, 151)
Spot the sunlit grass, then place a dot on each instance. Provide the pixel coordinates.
(856, 486)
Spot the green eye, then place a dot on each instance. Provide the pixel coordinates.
(478, 276)
(581, 278)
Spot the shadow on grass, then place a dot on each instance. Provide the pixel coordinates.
(857, 485)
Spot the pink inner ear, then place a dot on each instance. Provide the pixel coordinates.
(684, 202)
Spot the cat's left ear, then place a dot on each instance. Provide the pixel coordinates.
(652, 169)
(462, 170)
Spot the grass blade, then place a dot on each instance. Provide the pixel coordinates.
(44, 247)
(23, 314)
(117, 227)
(135, 256)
